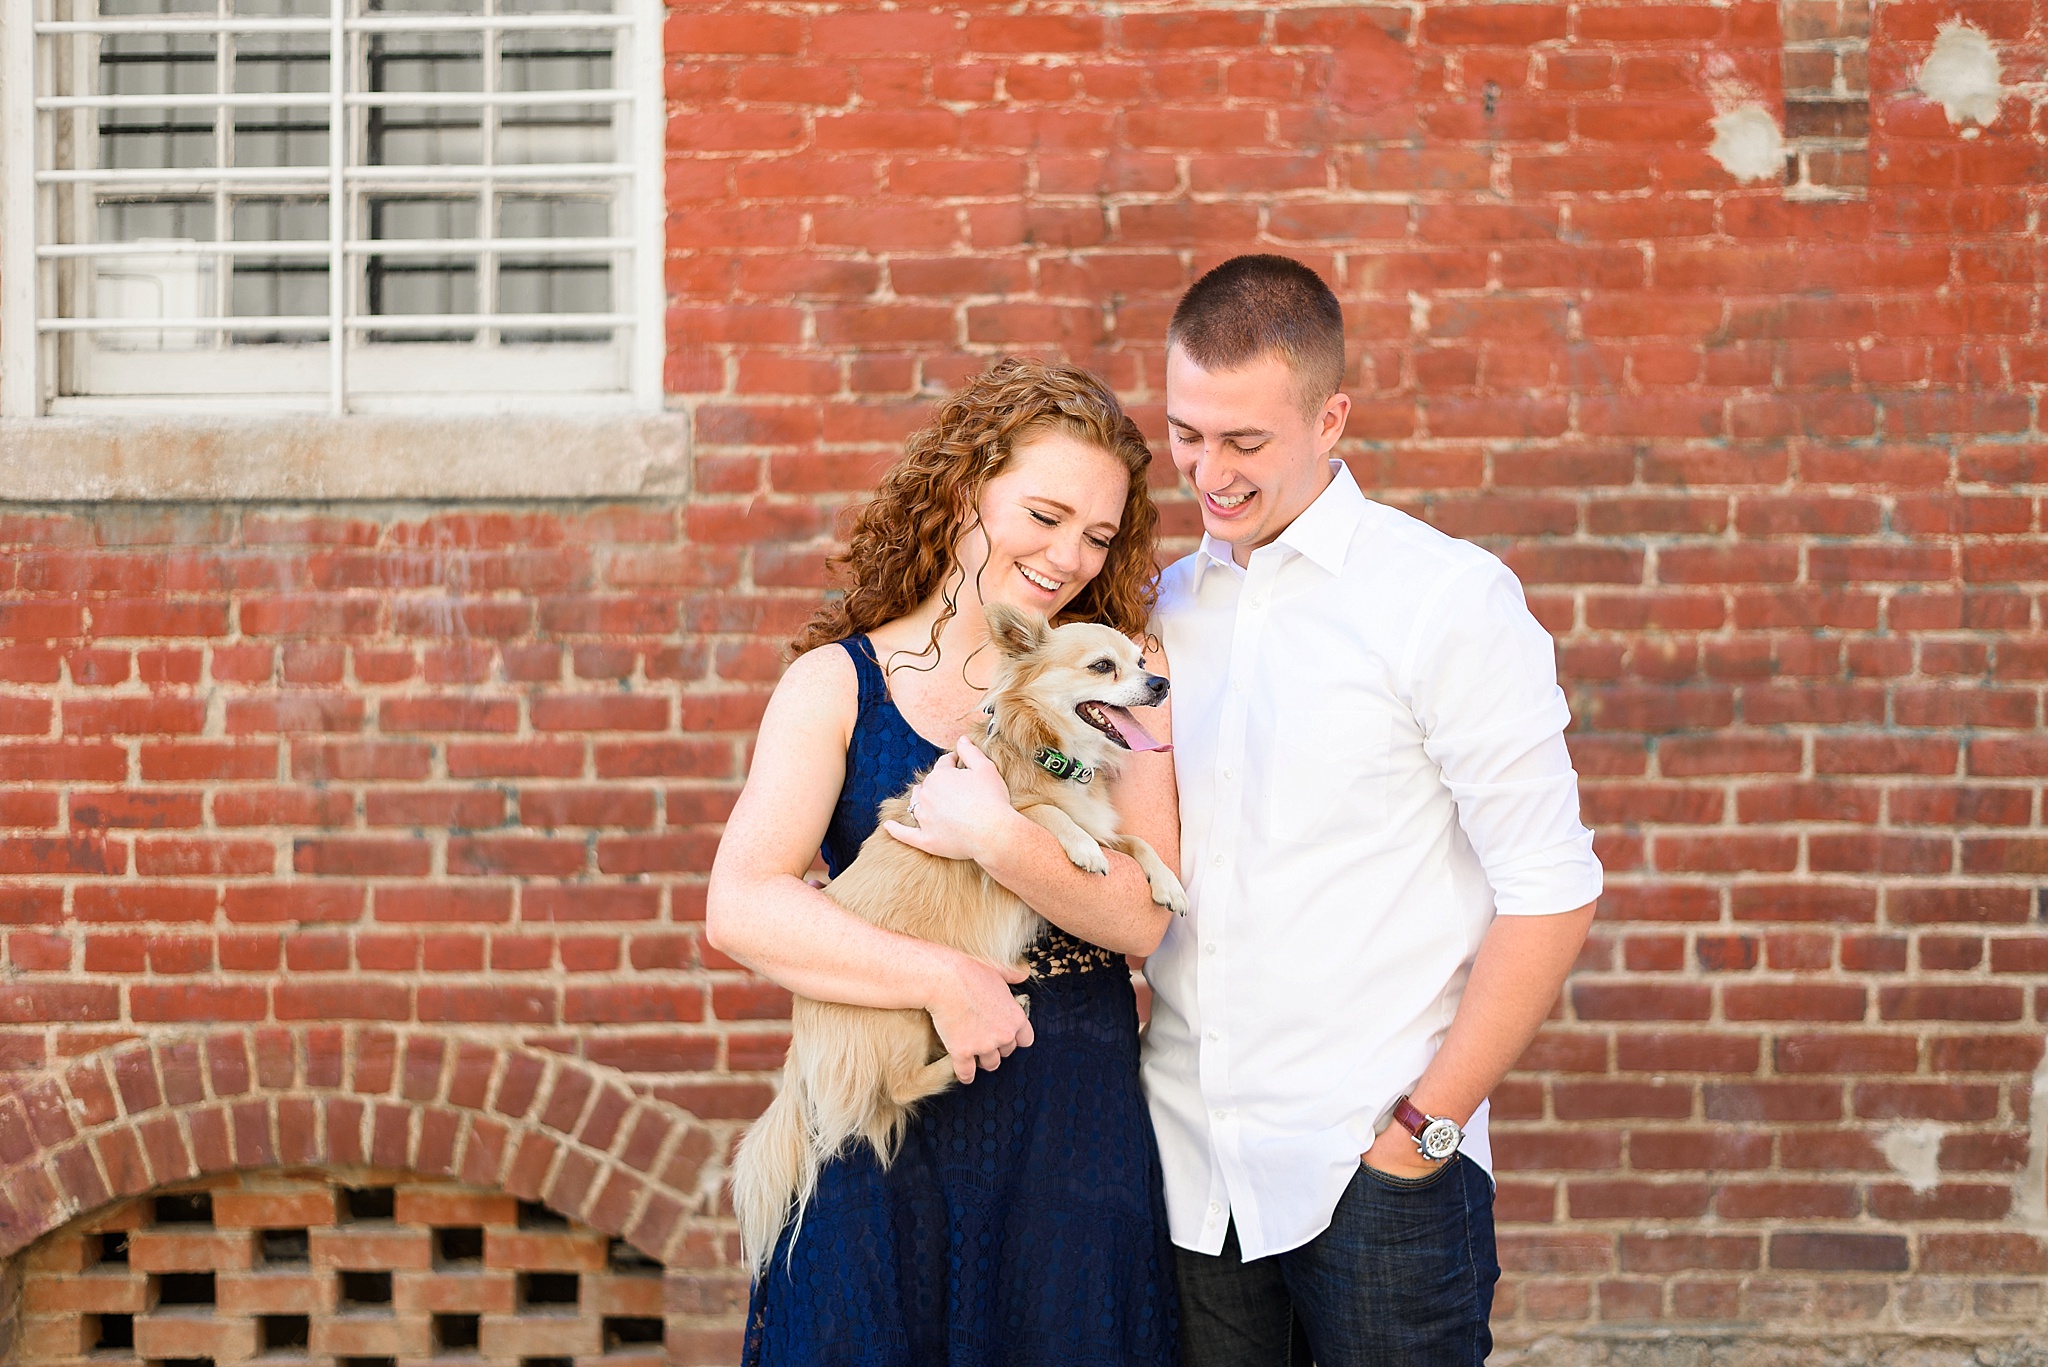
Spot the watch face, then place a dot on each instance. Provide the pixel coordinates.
(1440, 1139)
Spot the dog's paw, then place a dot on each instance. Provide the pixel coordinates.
(1171, 895)
(1088, 856)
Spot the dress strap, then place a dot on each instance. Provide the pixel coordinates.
(873, 687)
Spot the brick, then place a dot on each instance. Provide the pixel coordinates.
(1927, 1001)
(1801, 1102)
(1978, 1254)
(165, 1250)
(1697, 1150)
(531, 1251)
(1839, 1252)
(1787, 1200)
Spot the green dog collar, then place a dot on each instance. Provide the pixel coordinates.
(1062, 766)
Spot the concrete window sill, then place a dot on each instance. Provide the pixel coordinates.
(99, 459)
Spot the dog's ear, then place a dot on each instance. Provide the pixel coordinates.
(1016, 631)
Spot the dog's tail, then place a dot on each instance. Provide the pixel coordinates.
(773, 1173)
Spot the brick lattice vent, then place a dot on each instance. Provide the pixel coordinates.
(357, 1268)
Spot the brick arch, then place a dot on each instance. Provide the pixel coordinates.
(493, 1113)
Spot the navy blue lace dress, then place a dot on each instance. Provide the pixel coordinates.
(1024, 1220)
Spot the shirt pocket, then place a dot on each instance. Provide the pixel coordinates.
(1329, 773)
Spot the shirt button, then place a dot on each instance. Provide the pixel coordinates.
(1229, 773)
(1220, 1114)
(1215, 1207)
(1219, 861)
(1209, 948)
(1215, 1034)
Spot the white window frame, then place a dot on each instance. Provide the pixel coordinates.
(27, 319)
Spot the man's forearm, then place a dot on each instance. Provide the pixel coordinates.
(1521, 966)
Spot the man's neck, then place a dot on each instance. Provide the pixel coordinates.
(1242, 554)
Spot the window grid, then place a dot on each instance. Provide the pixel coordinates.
(496, 266)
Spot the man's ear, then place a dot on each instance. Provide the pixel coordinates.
(1014, 630)
(1330, 422)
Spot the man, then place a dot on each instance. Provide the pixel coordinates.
(1380, 837)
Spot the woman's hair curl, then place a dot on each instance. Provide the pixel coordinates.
(901, 550)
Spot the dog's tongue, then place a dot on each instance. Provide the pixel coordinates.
(1134, 734)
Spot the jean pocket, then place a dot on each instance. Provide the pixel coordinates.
(1400, 1183)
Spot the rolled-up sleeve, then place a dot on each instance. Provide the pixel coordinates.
(1482, 680)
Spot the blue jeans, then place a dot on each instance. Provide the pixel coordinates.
(1403, 1277)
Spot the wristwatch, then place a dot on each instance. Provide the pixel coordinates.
(1436, 1137)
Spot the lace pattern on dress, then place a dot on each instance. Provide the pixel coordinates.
(1057, 952)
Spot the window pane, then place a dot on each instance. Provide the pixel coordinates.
(156, 220)
(566, 60)
(281, 135)
(156, 137)
(155, 285)
(406, 284)
(425, 6)
(572, 283)
(555, 6)
(129, 9)
(279, 286)
(419, 63)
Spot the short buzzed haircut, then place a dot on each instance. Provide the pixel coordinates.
(1254, 305)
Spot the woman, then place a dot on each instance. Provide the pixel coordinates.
(1022, 1221)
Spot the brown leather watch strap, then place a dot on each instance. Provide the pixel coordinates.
(1409, 1118)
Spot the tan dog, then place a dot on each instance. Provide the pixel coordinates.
(1057, 723)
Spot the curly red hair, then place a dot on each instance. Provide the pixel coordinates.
(901, 549)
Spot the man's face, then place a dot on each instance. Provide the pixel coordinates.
(1240, 437)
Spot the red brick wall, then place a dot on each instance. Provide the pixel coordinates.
(1771, 470)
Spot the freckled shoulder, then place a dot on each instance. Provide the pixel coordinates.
(818, 693)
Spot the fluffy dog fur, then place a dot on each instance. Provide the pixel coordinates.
(855, 1072)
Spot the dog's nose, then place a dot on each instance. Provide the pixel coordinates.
(1157, 687)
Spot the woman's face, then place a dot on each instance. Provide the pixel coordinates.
(1047, 522)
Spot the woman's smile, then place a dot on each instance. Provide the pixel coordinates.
(1042, 581)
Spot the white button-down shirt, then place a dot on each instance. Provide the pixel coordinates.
(1368, 734)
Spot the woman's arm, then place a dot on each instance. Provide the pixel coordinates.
(760, 911)
(965, 813)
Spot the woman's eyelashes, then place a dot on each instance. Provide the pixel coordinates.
(1100, 543)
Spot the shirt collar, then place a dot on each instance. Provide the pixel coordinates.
(1321, 533)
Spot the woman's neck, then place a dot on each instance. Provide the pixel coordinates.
(962, 631)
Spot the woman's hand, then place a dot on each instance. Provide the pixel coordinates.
(977, 1018)
(962, 808)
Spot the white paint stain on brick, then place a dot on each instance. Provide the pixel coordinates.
(2033, 1193)
(1962, 75)
(1725, 83)
(1914, 1151)
(1747, 142)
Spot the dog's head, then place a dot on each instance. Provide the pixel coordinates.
(1069, 688)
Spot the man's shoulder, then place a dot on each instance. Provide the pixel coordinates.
(1177, 582)
(1388, 538)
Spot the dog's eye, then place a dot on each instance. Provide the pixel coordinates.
(1103, 666)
